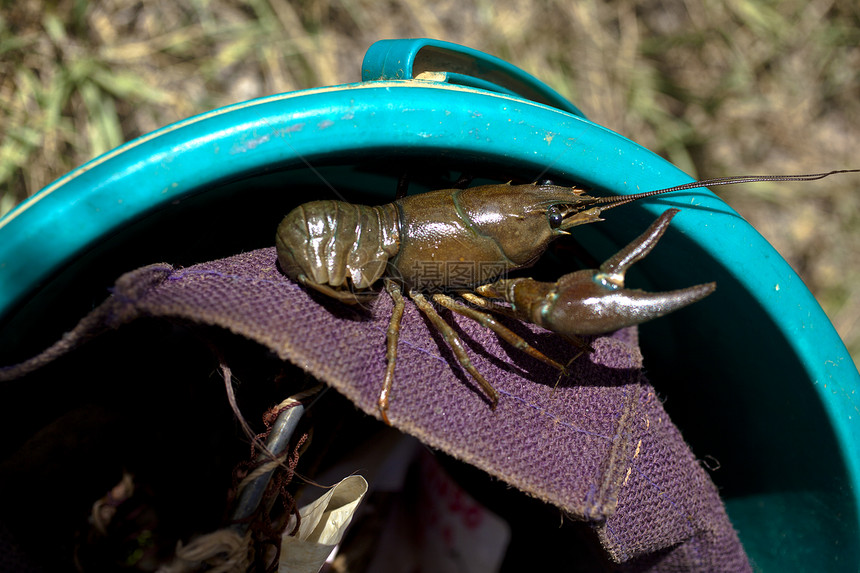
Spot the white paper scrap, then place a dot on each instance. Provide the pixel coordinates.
(323, 524)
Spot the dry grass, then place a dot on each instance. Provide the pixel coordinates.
(719, 88)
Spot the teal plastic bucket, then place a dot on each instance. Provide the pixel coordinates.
(755, 376)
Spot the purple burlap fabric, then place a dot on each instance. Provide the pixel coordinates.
(600, 446)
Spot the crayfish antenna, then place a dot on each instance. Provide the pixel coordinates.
(617, 201)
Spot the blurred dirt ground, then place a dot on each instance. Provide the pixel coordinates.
(718, 88)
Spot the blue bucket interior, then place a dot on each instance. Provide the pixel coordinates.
(755, 376)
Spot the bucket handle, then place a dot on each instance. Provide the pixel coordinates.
(435, 60)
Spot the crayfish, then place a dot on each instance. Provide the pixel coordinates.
(462, 240)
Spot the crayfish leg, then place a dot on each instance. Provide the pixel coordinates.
(392, 336)
(490, 305)
(455, 343)
(581, 344)
(345, 296)
(500, 329)
(402, 186)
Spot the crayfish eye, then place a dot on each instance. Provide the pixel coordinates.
(555, 217)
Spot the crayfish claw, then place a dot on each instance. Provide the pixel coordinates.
(606, 310)
(614, 267)
(595, 301)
